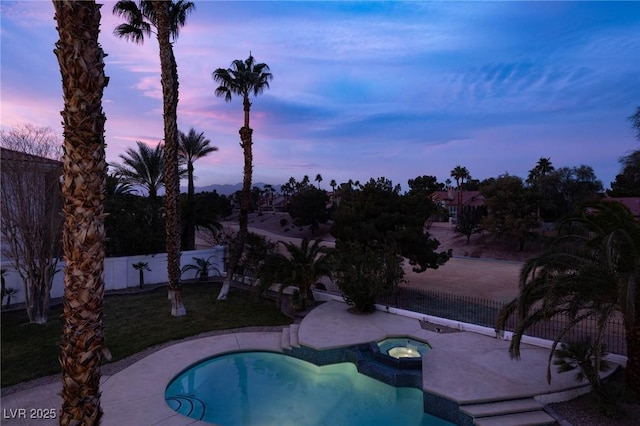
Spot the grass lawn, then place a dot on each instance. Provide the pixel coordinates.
(132, 323)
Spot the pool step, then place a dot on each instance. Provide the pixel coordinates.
(285, 341)
(293, 335)
(289, 337)
(516, 412)
(531, 418)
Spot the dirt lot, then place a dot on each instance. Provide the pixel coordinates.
(482, 268)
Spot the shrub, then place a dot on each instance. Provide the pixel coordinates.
(283, 222)
(366, 272)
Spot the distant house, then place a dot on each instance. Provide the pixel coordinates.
(632, 203)
(29, 190)
(450, 199)
(273, 202)
(9, 157)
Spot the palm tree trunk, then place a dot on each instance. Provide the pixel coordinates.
(169, 77)
(236, 252)
(245, 137)
(190, 227)
(83, 184)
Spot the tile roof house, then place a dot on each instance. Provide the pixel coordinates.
(26, 180)
(632, 203)
(449, 199)
(10, 157)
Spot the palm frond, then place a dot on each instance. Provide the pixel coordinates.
(136, 26)
(591, 270)
(178, 12)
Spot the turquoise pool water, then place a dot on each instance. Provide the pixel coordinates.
(265, 388)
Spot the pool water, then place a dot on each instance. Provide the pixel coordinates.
(265, 388)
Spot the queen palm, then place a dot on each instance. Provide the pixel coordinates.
(192, 146)
(166, 17)
(243, 79)
(83, 183)
(143, 167)
(591, 270)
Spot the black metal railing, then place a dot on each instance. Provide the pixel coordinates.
(485, 312)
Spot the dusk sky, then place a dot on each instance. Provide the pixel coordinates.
(363, 89)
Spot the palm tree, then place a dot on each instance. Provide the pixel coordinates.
(192, 147)
(542, 168)
(116, 185)
(83, 81)
(582, 356)
(293, 184)
(268, 189)
(333, 185)
(302, 267)
(591, 270)
(143, 167)
(460, 174)
(243, 78)
(318, 179)
(167, 18)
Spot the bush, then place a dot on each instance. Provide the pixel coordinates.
(283, 222)
(366, 272)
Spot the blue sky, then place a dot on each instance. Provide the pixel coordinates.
(363, 89)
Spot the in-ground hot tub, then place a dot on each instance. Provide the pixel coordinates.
(400, 352)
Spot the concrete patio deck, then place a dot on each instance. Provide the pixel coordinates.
(462, 367)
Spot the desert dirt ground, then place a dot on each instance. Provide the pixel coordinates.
(483, 268)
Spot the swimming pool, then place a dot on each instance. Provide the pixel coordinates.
(266, 388)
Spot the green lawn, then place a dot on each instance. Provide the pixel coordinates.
(132, 323)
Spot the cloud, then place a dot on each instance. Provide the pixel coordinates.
(363, 89)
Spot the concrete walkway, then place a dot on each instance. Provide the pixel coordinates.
(462, 367)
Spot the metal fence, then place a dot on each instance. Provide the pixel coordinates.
(485, 312)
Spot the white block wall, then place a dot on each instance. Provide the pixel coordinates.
(119, 272)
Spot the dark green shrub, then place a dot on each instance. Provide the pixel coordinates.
(366, 272)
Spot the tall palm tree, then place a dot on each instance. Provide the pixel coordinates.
(543, 167)
(82, 184)
(318, 179)
(591, 270)
(243, 79)
(193, 146)
(460, 173)
(293, 184)
(143, 167)
(167, 17)
(268, 189)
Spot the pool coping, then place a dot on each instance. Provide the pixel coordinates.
(461, 368)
